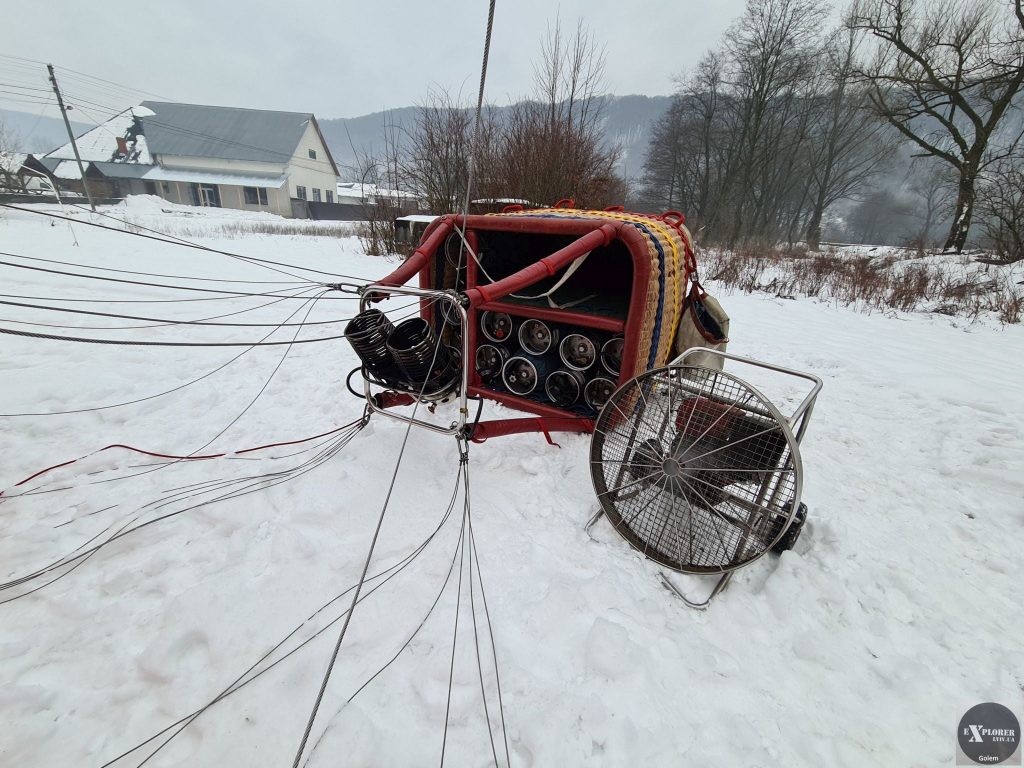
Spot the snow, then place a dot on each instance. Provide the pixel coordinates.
(898, 609)
(201, 177)
(100, 143)
(68, 169)
(354, 190)
(12, 161)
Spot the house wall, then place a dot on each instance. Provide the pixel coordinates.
(231, 196)
(311, 174)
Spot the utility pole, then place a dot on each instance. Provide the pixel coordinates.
(71, 135)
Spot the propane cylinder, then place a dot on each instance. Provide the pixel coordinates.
(523, 374)
(490, 359)
(537, 337)
(611, 355)
(496, 326)
(598, 391)
(564, 387)
(577, 352)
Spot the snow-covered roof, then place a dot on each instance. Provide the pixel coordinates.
(356, 189)
(100, 144)
(157, 128)
(200, 177)
(67, 169)
(122, 170)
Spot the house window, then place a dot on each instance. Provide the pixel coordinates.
(205, 194)
(150, 187)
(330, 196)
(312, 154)
(255, 196)
(300, 192)
(316, 195)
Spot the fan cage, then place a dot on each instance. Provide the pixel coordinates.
(696, 469)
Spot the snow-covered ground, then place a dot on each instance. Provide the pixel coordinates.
(899, 608)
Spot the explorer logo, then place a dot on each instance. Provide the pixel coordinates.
(988, 734)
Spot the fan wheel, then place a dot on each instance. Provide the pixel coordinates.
(695, 468)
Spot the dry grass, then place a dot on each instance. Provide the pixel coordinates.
(869, 283)
(238, 229)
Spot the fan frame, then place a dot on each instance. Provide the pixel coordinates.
(598, 463)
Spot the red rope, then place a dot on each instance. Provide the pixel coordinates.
(172, 456)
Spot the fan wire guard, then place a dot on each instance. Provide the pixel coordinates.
(695, 469)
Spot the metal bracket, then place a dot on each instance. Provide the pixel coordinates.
(723, 581)
(375, 292)
(671, 587)
(597, 516)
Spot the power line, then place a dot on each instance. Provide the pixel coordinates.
(81, 75)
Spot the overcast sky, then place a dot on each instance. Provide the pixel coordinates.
(336, 59)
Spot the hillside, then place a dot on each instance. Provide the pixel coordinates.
(627, 123)
(36, 133)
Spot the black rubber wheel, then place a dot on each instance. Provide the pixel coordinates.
(788, 540)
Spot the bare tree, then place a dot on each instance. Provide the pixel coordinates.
(755, 145)
(552, 147)
(10, 179)
(770, 54)
(944, 75)
(684, 162)
(382, 194)
(1001, 205)
(848, 144)
(436, 165)
(933, 190)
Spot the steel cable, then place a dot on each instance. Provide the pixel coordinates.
(242, 680)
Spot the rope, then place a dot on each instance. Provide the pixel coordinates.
(164, 321)
(160, 274)
(241, 681)
(129, 343)
(312, 303)
(366, 566)
(165, 238)
(479, 108)
(223, 293)
(158, 394)
(148, 397)
(262, 482)
(455, 637)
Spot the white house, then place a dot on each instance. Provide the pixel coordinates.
(250, 159)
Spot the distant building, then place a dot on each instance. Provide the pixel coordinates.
(249, 159)
(357, 193)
